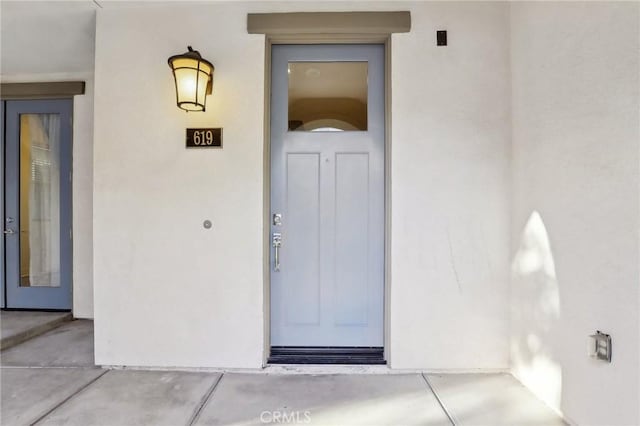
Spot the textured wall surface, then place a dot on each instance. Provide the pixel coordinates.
(575, 211)
(168, 292)
(449, 188)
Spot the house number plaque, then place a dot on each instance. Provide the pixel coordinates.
(204, 138)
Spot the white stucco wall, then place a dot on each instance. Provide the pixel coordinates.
(450, 174)
(83, 202)
(168, 292)
(575, 211)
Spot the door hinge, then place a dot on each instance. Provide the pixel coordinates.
(70, 177)
(71, 234)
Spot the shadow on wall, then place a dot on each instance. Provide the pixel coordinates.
(535, 314)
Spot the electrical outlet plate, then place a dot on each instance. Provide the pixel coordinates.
(600, 346)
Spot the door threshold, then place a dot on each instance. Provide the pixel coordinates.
(34, 310)
(349, 355)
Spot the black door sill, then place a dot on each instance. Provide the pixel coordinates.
(35, 309)
(327, 355)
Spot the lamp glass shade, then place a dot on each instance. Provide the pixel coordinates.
(193, 80)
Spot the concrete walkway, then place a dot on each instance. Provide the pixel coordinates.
(19, 326)
(51, 380)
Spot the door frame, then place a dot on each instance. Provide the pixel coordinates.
(384, 39)
(3, 137)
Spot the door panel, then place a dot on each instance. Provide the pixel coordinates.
(302, 301)
(38, 204)
(352, 239)
(327, 183)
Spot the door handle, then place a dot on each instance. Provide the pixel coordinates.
(9, 232)
(277, 243)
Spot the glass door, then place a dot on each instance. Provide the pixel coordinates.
(37, 204)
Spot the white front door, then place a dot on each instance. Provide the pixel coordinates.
(327, 196)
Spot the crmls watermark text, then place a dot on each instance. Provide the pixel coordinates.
(292, 417)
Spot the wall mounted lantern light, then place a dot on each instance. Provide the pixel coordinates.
(193, 77)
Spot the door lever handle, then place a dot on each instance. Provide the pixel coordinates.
(9, 232)
(277, 243)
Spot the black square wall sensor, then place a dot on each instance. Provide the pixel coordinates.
(441, 37)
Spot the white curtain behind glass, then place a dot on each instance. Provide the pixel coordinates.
(44, 200)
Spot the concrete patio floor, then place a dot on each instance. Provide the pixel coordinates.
(19, 326)
(51, 380)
